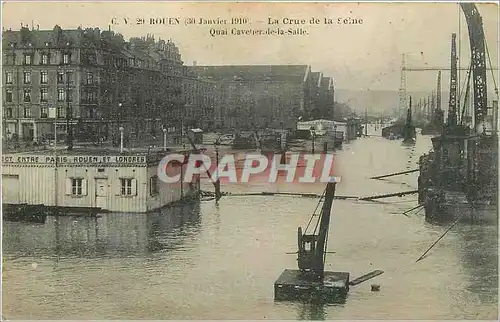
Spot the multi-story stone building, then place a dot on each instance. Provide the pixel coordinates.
(201, 96)
(258, 96)
(90, 79)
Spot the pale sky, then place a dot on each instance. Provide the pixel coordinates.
(358, 57)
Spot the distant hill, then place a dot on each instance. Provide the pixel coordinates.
(380, 101)
(384, 101)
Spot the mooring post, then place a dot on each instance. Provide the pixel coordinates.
(217, 181)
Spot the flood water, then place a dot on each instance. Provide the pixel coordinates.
(220, 262)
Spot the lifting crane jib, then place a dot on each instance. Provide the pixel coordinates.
(478, 62)
(312, 247)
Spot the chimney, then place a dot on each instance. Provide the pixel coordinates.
(194, 63)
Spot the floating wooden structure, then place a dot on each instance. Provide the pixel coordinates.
(366, 277)
(25, 213)
(394, 174)
(396, 194)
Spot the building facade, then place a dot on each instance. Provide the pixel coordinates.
(89, 79)
(201, 96)
(259, 96)
(90, 83)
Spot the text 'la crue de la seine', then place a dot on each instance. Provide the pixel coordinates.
(242, 26)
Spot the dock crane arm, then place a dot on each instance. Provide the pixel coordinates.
(478, 62)
(312, 247)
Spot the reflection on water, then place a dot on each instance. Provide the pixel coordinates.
(311, 311)
(108, 235)
(479, 255)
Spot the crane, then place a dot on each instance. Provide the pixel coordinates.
(478, 62)
(311, 281)
(312, 247)
(452, 110)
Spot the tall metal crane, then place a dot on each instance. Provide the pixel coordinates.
(478, 62)
(452, 110)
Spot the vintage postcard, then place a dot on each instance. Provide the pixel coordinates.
(249, 160)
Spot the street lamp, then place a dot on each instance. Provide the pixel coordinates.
(313, 137)
(118, 114)
(121, 139)
(164, 139)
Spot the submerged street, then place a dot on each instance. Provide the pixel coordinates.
(220, 262)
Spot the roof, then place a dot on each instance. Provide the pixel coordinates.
(252, 72)
(315, 77)
(325, 82)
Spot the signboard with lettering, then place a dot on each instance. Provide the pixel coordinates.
(73, 159)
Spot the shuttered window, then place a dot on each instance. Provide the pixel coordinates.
(128, 187)
(76, 186)
(153, 186)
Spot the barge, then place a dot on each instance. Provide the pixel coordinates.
(459, 178)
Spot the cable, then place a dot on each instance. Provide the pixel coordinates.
(489, 60)
(310, 220)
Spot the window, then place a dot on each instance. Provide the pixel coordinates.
(43, 95)
(61, 94)
(90, 96)
(10, 59)
(60, 77)
(43, 77)
(44, 112)
(27, 59)
(69, 77)
(128, 187)
(8, 112)
(61, 112)
(27, 77)
(153, 184)
(27, 95)
(8, 95)
(8, 77)
(66, 59)
(90, 79)
(27, 112)
(76, 186)
(45, 59)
